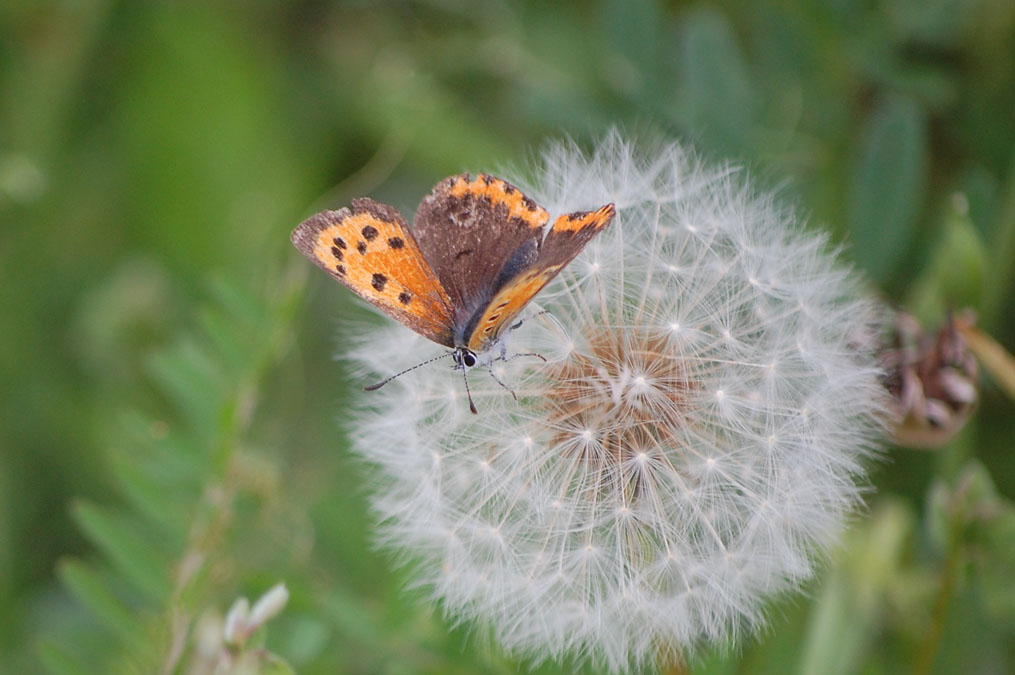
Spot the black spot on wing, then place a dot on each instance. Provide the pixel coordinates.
(369, 232)
(378, 281)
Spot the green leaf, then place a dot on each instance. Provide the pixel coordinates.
(939, 517)
(345, 612)
(150, 493)
(954, 276)
(716, 97)
(227, 341)
(191, 378)
(1002, 278)
(275, 665)
(834, 635)
(58, 660)
(131, 553)
(233, 301)
(998, 564)
(888, 185)
(302, 638)
(234, 325)
(842, 627)
(978, 487)
(162, 442)
(95, 594)
(632, 30)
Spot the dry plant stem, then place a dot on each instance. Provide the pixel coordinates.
(214, 513)
(993, 357)
(932, 641)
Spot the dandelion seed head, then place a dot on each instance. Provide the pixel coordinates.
(693, 441)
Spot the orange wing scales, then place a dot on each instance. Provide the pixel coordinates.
(376, 257)
(507, 303)
(501, 192)
(574, 222)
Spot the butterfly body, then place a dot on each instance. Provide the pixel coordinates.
(477, 253)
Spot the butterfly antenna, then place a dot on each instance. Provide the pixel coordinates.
(375, 387)
(472, 406)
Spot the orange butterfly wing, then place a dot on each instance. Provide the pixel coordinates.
(372, 251)
(567, 238)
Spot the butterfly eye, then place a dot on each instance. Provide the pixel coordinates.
(468, 359)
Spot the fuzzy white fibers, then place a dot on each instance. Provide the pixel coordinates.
(693, 441)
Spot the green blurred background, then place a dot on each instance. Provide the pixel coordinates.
(170, 427)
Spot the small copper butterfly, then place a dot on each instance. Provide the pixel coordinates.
(475, 255)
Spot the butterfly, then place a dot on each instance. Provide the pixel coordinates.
(476, 254)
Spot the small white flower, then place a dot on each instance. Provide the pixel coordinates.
(269, 605)
(242, 621)
(235, 631)
(694, 439)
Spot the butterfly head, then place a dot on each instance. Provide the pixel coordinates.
(465, 358)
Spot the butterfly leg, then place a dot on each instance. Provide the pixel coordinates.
(503, 356)
(503, 351)
(498, 380)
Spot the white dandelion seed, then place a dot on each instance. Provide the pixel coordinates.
(694, 440)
